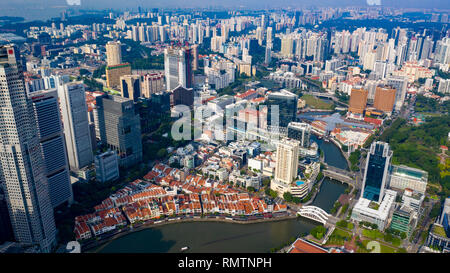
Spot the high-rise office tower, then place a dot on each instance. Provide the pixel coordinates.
(264, 20)
(50, 133)
(113, 53)
(22, 168)
(287, 161)
(120, 128)
(300, 131)
(178, 68)
(400, 84)
(72, 99)
(183, 96)
(358, 101)
(195, 57)
(114, 72)
(287, 108)
(287, 47)
(376, 171)
(268, 55)
(130, 86)
(152, 84)
(442, 51)
(384, 99)
(269, 33)
(427, 48)
(260, 35)
(141, 32)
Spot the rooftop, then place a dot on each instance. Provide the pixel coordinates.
(403, 170)
(439, 230)
(303, 246)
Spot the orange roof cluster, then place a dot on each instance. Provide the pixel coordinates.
(303, 246)
(141, 200)
(98, 223)
(247, 94)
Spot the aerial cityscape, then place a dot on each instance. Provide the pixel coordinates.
(297, 127)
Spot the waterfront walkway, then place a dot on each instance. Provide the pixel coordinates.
(150, 224)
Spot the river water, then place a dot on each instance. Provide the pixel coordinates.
(218, 237)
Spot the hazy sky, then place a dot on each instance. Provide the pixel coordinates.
(43, 9)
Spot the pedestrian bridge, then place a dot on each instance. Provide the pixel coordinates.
(314, 213)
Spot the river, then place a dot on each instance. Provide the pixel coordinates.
(219, 237)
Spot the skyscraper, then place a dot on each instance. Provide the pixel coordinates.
(130, 86)
(268, 55)
(384, 99)
(178, 68)
(6, 231)
(300, 131)
(152, 84)
(358, 101)
(287, 107)
(195, 57)
(72, 99)
(113, 53)
(50, 133)
(399, 83)
(22, 166)
(287, 161)
(114, 72)
(269, 34)
(120, 128)
(376, 171)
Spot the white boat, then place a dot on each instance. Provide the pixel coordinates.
(184, 248)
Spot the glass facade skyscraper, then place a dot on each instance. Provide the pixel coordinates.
(376, 172)
(287, 107)
(22, 166)
(301, 132)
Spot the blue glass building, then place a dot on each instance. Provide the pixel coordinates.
(376, 172)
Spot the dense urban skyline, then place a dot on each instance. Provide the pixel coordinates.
(327, 128)
(42, 10)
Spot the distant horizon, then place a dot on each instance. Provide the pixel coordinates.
(37, 10)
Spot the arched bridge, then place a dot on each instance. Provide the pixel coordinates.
(314, 213)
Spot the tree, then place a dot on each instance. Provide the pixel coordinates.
(266, 181)
(287, 196)
(318, 232)
(161, 153)
(403, 235)
(435, 210)
(99, 72)
(84, 72)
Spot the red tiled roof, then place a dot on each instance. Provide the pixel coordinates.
(302, 246)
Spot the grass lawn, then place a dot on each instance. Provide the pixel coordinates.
(339, 237)
(111, 91)
(316, 103)
(376, 234)
(343, 233)
(439, 231)
(383, 248)
(372, 234)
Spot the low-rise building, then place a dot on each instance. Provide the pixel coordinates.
(107, 166)
(402, 177)
(372, 212)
